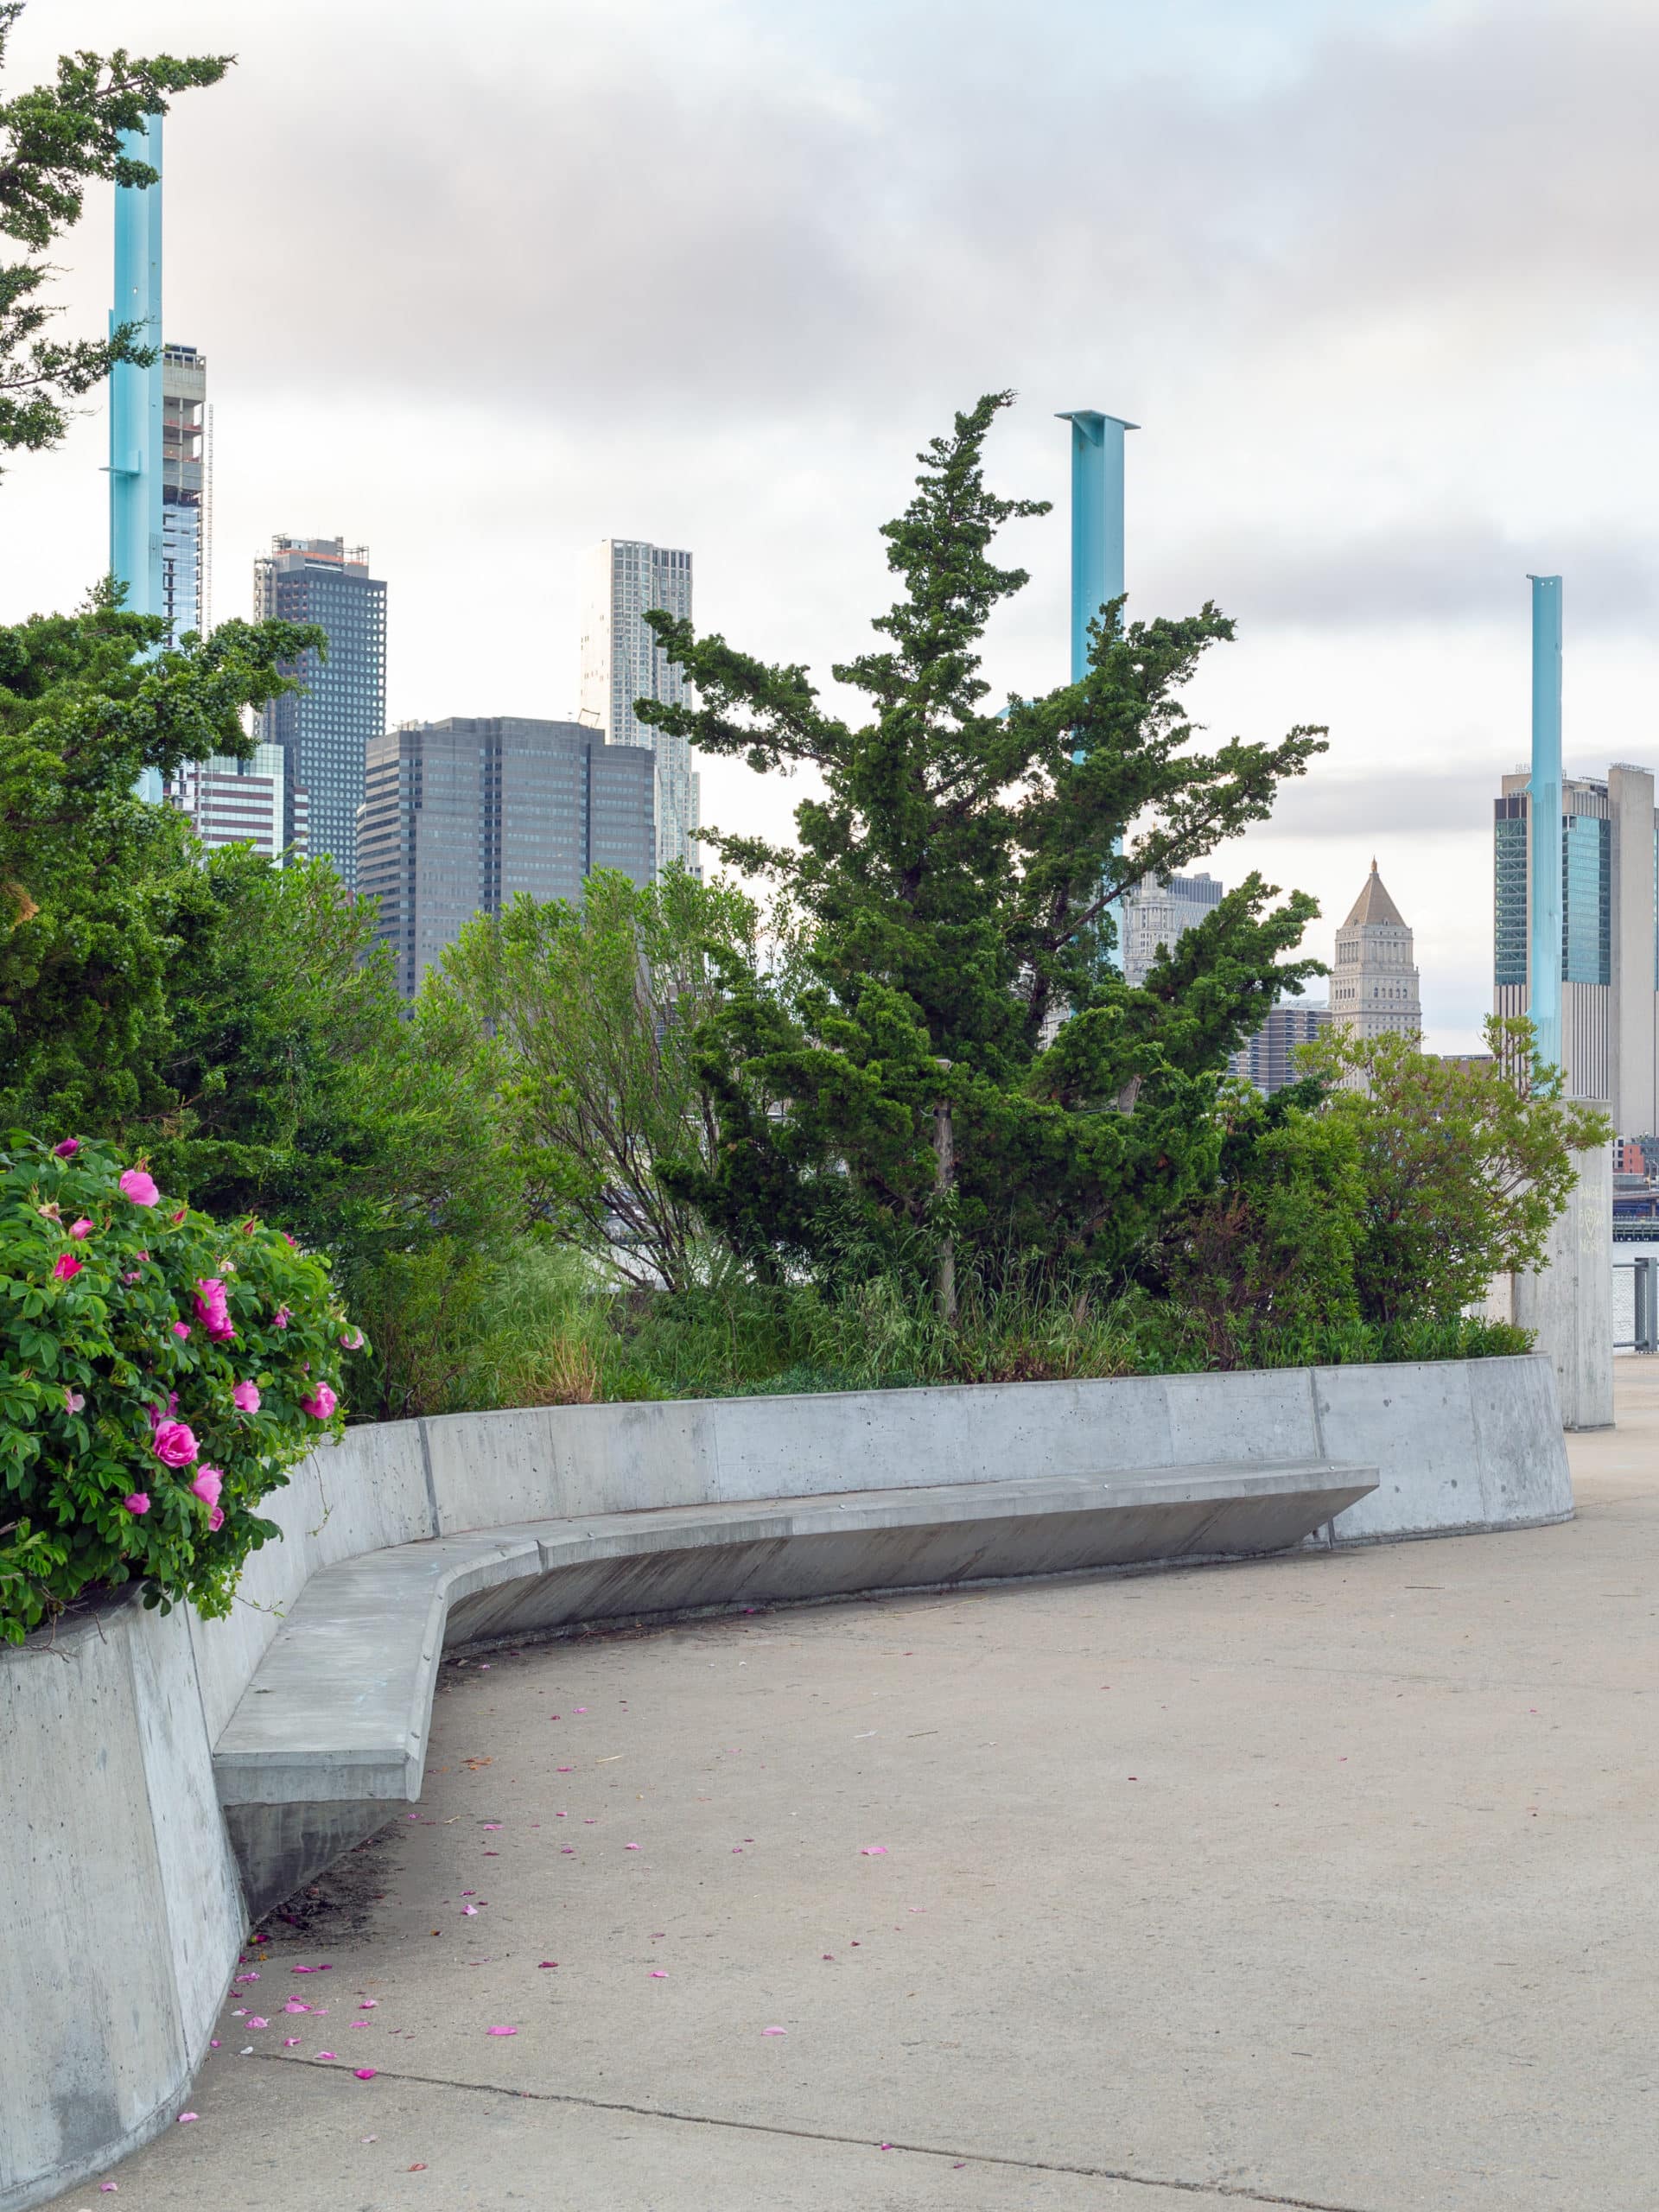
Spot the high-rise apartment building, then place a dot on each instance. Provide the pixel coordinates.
(324, 728)
(245, 802)
(1374, 991)
(187, 493)
(1268, 1059)
(623, 579)
(460, 815)
(1159, 913)
(1610, 945)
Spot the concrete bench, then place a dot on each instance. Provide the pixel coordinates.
(332, 1730)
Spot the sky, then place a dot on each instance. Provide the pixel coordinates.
(479, 287)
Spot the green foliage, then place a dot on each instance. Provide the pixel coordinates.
(954, 889)
(101, 903)
(459, 1331)
(299, 1087)
(1464, 1168)
(115, 1354)
(1267, 1256)
(594, 1012)
(53, 141)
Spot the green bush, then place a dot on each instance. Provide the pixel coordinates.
(159, 1372)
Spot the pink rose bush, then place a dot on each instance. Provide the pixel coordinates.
(159, 1372)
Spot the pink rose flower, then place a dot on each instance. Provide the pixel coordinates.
(138, 1502)
(353, 1341)
(212, 1308)
(321, 1404)
(279, 1319)
(68, 1148)
(181, 1329)
(72, 1400)
(81, 1228)
(208, 1485)
(173, 1443)
(216, 1518)
(246, 1397)
(137, 1184)
(68, 1266)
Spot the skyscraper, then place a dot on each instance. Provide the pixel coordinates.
(623, 578)
(187, 494)
(1374, 991)
(1268, 1059)
(325, 728)
(1610, 945)
(245, 802)
(461, 814)
(1159, 913)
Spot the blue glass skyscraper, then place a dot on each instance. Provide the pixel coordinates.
(324, 728)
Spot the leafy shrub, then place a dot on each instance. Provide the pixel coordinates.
(159, 1372)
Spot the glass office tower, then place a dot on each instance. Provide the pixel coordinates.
(325, 728)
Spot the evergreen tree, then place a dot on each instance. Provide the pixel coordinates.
(947, 1058)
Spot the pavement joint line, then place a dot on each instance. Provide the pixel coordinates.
(1212, 2189)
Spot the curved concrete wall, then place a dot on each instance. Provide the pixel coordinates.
(113, 1851)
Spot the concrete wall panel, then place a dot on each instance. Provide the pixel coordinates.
(1419, 1424)
(1525, 1480)
(1250, 1417)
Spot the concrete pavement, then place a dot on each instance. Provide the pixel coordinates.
(1324, 1881)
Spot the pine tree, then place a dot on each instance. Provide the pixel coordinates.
(902, 1089)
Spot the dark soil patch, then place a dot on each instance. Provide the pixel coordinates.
(338, 1905)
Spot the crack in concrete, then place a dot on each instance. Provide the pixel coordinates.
(1211, 2189)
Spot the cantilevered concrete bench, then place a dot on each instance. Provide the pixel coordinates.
(332, 1730)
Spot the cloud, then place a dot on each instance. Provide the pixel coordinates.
(1435, 570)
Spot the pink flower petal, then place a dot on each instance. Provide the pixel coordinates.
(364, 2073)
(774, 2032)
(368, 2004)
(290, 2043)
(471, 1911)
(325, 2054)
(659, 1974)
(185, 2118)
(257, 2022)
(873, 1850)
(500, 2031)
(549, 1962)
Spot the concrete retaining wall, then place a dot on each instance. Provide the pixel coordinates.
(124, 1915)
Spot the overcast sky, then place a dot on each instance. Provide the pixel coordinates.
(481, 285)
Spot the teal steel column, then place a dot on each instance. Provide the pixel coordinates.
(1544, 950)
(136, 393)
(1097, 535)
(1097, 521)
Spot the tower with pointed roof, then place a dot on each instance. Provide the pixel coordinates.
(1373, 988)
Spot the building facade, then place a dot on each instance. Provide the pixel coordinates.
(1373, 990)
(1268, 1060)
(324, 728)
(624, 579)
(187, 494)
(246, 803)
(1158, 914)
(1609, 934)
(460, 815)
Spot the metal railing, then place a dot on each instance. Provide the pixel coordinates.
(1638, 1315)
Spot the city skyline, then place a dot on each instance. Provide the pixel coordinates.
(1337, 438)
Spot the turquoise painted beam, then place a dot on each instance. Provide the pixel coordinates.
(1544, 963)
